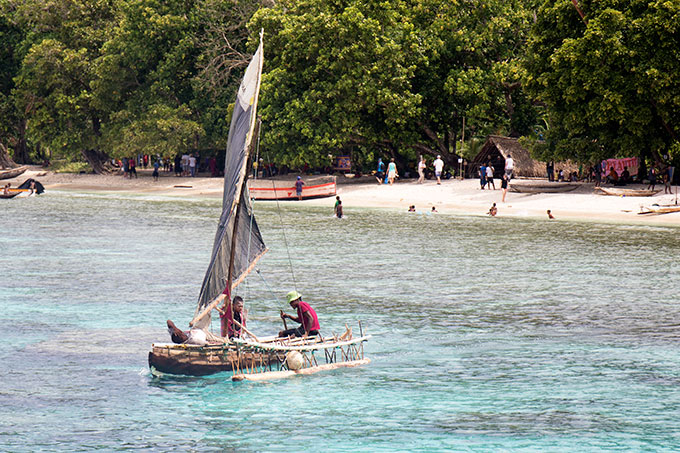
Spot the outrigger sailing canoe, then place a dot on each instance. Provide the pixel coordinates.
(237, 248)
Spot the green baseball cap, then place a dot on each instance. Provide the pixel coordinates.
(293, 295)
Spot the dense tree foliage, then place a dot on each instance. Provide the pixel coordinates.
(609, 79)
(391, 77)
(94, 79)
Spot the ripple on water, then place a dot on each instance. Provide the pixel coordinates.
(488, 335)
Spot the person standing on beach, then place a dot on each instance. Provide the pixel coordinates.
(652, 178)
(392, 171)
(438, 168)
(126, 167)
(489, 177)
(155, 170)
(421, 170)
(133, 170)
(185, 164)
(298, 187)
(380, 171)
(504, 187)
(482, 176)
(192, 165)
(667, 180)
(509, 166)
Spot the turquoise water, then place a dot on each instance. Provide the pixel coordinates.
(489, 334)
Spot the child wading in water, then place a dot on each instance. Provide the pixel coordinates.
(338, 207)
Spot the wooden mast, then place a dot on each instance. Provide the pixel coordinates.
(254, 125)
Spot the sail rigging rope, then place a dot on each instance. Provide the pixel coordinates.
(252, 215)
(283, 229)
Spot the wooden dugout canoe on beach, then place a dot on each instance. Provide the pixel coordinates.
(542, 187)
(618, 192)
(263, 189)
(12, 172)
(656, 209)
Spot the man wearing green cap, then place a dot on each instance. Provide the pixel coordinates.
(306, 316)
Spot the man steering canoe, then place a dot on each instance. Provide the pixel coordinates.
(306, 316)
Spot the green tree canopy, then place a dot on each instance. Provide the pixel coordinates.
(609, 80)
(391, 77)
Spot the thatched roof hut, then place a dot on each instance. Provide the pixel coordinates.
(497, 148)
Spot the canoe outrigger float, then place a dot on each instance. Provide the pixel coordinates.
(237, 247)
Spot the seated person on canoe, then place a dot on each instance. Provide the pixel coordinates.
(229, 313)
(232, 323)
(306, 316)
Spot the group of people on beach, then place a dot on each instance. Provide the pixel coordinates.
(233, 319)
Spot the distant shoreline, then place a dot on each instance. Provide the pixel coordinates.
(451, 197)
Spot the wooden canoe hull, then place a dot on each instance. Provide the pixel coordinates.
(660, 210)
(627, 192)
(202, 361)
(14, 192)
(328, 189)
(12, 172)
(555, 187)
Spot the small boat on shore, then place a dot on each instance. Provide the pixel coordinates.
(660, 209)
(12, 172)
(542, 187)
(268, 189)
(620, 192)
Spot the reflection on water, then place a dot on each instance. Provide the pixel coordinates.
(488, 333)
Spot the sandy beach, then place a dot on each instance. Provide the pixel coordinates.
(451, 197)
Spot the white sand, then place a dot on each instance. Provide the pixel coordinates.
(451, 197)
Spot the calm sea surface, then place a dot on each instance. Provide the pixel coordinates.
(489, 334)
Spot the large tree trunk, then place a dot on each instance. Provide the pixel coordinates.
(5, 159)
(98, 160)
(21, 148)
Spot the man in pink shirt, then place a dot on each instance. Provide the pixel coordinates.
(306, 316)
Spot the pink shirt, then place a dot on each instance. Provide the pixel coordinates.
(227, 325)
(303, 307)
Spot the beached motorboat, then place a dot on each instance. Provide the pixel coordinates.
(12, 172)
(237, 247)
(268, 189)
(542, 187)
(620, 192)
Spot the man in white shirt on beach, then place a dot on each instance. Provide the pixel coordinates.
(185, 164)
(438, 168)
(192, 165)
(509, 166)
